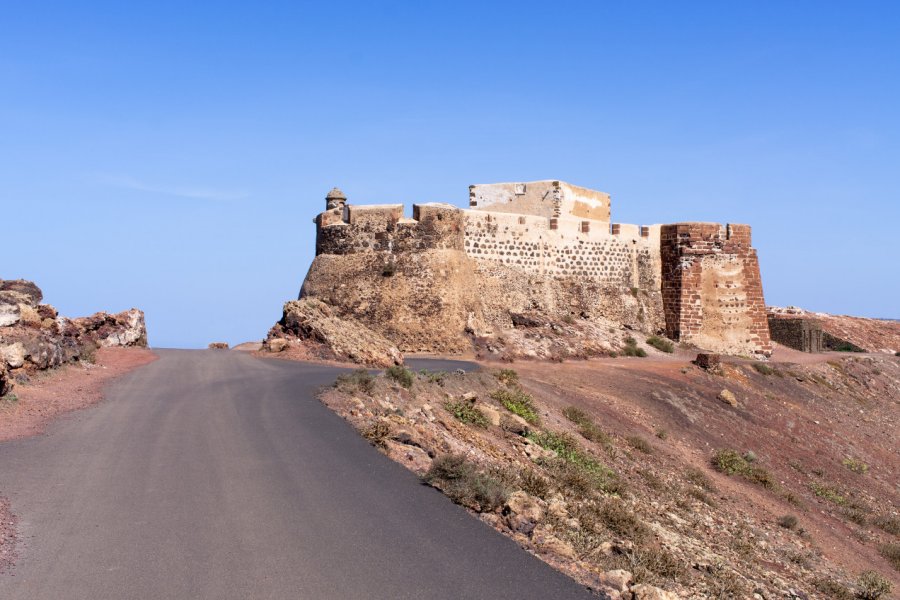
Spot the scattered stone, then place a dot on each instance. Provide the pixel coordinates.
(547, 543)
(6, 383)
(708, 362)
(617, 579)
(275, 344)
(470, 397)
(514, 424)
(218, 346)
(728, 397)
(490, 413)
(649, 592)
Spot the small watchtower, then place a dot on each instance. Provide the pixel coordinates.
(335, 199)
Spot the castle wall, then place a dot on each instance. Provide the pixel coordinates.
(800, 334)
(566, 247)
(382, 228)
(712, 290)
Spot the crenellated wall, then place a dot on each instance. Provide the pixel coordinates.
(712, 289)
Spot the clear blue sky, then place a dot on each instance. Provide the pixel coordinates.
(172, 156)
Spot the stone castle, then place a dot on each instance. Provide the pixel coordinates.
(431, 282)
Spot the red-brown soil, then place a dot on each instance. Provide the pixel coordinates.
(824, 427)
(51, 393)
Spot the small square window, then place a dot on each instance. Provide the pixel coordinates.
(520, 189)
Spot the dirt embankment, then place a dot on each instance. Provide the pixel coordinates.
(644, 472)
(47, 394)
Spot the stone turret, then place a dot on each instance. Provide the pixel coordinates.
(335, 199)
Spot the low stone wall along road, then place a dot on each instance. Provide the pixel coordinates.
(211, 474)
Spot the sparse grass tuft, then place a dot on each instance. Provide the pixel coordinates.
(465, 484)
(763, 369)
(857, 466)
(359, 380)
(833, 589)
(401, 375)
(467, 413)
(888, 523)
(9, 398)
(891, 552)
(616, 517)
(788, 522)
(661, 344)
(518, 402)
(586, 426)
(662, 434)
(699, 478)
(828, 492)
(639, 444)
(438, 377)
(652, 565)
(507, 376)
(872, 586)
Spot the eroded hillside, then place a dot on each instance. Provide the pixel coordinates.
(636, 476)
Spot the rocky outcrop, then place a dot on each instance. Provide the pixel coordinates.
(34, 337)
(317, 326)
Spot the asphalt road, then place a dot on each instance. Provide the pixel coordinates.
(213, 474)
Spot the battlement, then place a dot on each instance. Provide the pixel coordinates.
(548, 198)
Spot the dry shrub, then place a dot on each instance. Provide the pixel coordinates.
(377, 433)
(465, 484)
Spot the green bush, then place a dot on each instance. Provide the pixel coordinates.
(661, 344)
(631, 348)
(857, 466)
(828, 492)
(401, 375)
(586, 472)
(467, 413)
(730, 462)
(465, 484)
(516, 401)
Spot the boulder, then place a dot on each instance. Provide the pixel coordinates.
(30, 292)
(708, 362)
(523, 512)
(275, 344)
(547, 543)
(124, 329)
(617, 579)
(6, 383)
(490, 413)
(218, 346)
(9, 314)
(13, 354)
(728, 397)
(314, 321)
(515, 424)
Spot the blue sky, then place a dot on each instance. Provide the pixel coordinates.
(171, 156)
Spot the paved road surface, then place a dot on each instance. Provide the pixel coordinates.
(212, 474)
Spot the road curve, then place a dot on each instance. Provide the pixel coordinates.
(213, 474)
